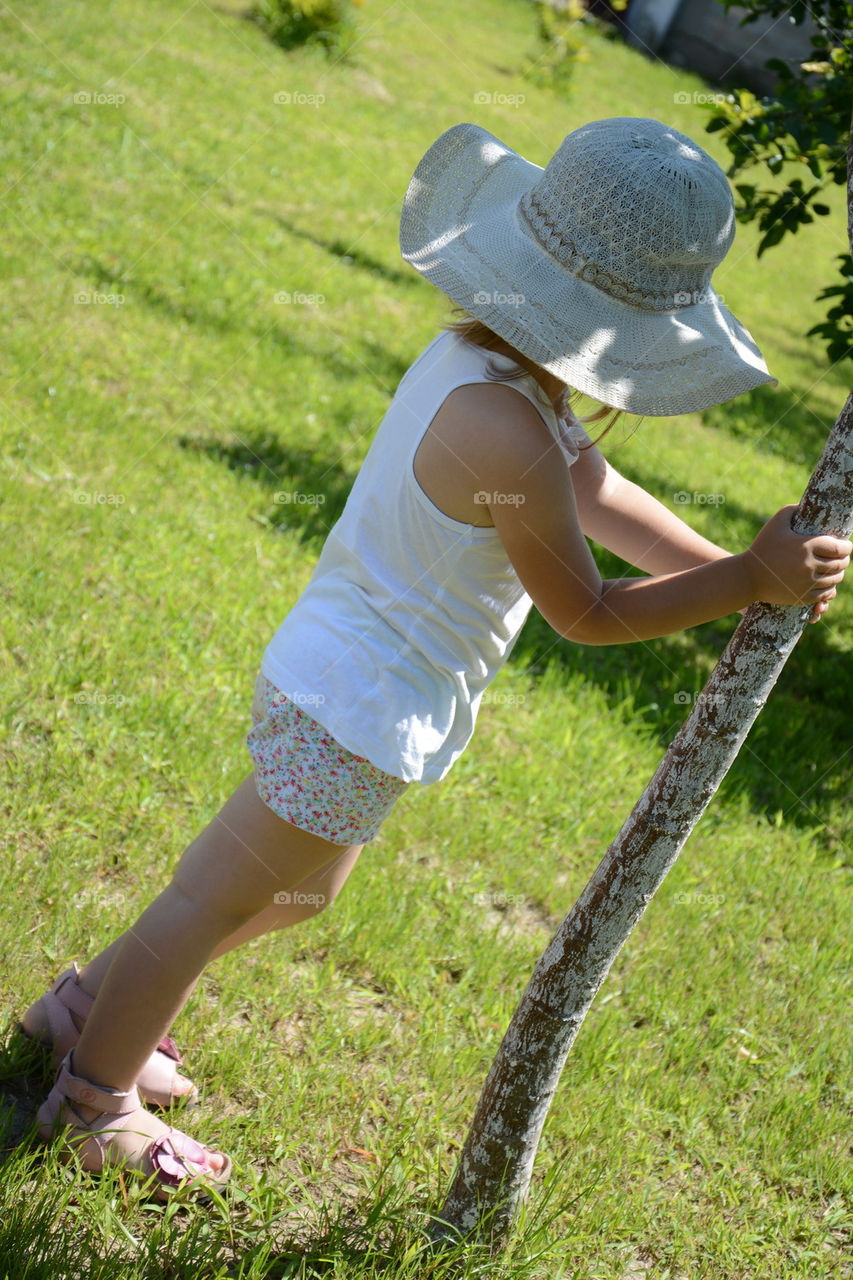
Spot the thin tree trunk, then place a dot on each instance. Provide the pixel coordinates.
(495, 1167)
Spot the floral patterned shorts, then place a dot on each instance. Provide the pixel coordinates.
(308, 778)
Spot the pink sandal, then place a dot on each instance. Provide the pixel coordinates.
(156, 1083)
(175, 1162)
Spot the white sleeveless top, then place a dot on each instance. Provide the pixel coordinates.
(409, 613)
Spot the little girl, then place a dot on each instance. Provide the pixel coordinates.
(475, 500)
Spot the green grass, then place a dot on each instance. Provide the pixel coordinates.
(698, 1130)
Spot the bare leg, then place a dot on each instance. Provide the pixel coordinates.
(225, 878)
(324, 884)
(311, 896)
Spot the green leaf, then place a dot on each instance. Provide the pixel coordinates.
(773, 236)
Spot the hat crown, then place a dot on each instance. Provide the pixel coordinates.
(635, 208)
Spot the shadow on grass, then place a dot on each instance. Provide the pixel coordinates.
(306, 491)
(795, 759)
(775, 420)
(349, 255)
(344, 360)
(26, 1076)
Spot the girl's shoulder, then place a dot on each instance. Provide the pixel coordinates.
(474, 421)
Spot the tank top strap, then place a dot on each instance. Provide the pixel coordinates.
(567, 431)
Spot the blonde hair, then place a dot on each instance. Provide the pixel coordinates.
(480, 335)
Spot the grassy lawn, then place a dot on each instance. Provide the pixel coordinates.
(155, 397)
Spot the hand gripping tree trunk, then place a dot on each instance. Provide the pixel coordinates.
(494, 1170)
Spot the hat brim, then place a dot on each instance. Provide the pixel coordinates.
(461, 229)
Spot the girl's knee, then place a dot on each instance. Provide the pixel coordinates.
(214, 902)
(317, 892)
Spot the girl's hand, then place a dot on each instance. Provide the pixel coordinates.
(796, 568)
(820, 609)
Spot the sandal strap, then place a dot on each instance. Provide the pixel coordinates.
(68, 994)
(174, 1159)
(77, 1089)
(56, 1002)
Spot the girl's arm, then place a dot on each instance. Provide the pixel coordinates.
(508, 451)
(625, 519)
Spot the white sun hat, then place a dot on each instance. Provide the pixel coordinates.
(598, 267)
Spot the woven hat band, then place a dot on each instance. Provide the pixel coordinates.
(691, 290)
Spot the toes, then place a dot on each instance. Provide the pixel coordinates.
(28, 1024)
(33, 1021)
